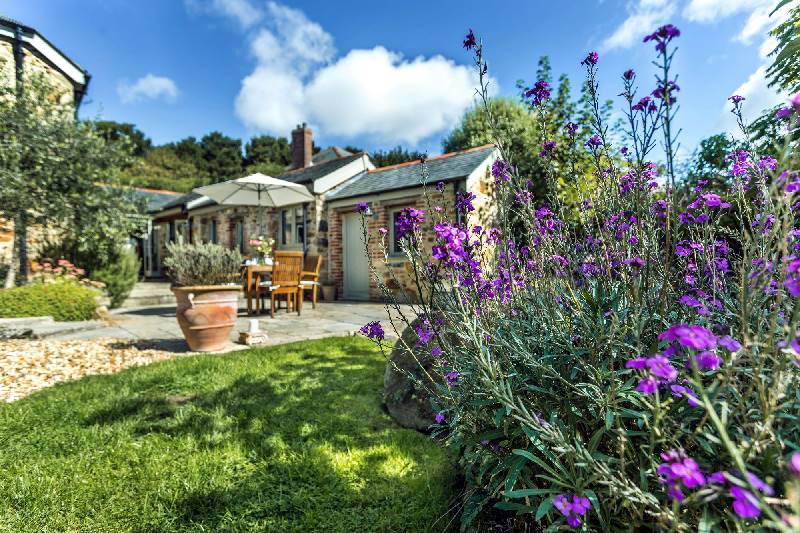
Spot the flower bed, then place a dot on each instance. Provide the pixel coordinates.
(630, 361)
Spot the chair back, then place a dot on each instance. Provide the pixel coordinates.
(287, 266)
(312, 265)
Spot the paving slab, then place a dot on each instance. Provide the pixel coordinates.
(158, 323)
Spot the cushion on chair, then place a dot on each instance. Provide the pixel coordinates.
(308, 282)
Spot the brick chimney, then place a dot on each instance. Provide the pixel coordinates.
(301, 146)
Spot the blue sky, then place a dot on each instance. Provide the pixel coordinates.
(377, 74)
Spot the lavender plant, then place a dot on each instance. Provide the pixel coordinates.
(636, 366)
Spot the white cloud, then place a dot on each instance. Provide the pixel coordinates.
(713, 10)
(367, 92)
(758, 97)
(644, 16)
(243, 11)
(149, 87)
(378, 92)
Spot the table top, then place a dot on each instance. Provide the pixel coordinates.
(257, 268)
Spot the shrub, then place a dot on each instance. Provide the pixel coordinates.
(202, 264)
(119, 276)
(63, 300)
(632, 368)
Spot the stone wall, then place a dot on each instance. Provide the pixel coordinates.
(63, 92)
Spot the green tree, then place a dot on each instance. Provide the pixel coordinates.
(162, 168)
(52, 168)
(115, 131)
(784, 73)
(395, 156)
(709, 162)
(266, 149)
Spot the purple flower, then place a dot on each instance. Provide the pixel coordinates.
(548, 147)
(539, 93)
(729, 343)
(501, 171)
(440, 186)
(573, 508)
(383, 231)
(629, 74)
(362, 208)
(436, 351)
(662, 36)
(708, 360)
(373, 330)
(424, 333)
(469, 40)
(464, 201)
(452, 378)
(409, 220)
(695, 337)
(745, 504)
(794, 464)
(736, 98)
(439, 418)
(594, 141)
(591, 59)
(571, 128)
(678, 471)
(792, 283)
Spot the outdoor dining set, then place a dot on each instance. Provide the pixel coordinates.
(290, 274)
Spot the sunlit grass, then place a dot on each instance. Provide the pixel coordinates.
(288, 438)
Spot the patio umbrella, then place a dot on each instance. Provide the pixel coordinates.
(258, 190)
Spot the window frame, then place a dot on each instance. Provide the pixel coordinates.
(394, 249)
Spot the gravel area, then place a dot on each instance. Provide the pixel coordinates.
(27, 366)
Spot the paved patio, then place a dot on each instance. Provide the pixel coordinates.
(158, 324)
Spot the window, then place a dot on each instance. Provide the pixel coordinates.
(209, 230)
(293, 226)
(171, 231)
(459, 188)
(394, 241)
(182, 231)
(238, 235)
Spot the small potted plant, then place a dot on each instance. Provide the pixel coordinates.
(263, 248)
(205, 281)
(328, 290)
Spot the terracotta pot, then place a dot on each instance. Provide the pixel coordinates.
(207, 314)
(328, 292)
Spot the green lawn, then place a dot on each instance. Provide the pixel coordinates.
(290, 438)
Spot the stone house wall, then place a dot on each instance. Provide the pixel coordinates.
(396, 271)
(64, 93)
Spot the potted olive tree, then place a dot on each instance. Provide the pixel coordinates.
(205, 281)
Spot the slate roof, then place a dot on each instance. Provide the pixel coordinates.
(329, 154)
(155, 198)
(314, 172)
(446, 167)
(178, 202)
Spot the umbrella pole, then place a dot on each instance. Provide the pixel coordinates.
(261, 229)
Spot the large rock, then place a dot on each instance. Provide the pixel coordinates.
(405, 382)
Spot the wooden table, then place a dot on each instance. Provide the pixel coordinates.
(253, 273)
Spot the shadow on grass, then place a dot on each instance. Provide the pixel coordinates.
(311, 425)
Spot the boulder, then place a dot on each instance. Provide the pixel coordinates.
(405, 383)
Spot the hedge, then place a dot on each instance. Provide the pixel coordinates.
(64, 301)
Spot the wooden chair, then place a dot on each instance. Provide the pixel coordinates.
(286, 269)
(309, 278)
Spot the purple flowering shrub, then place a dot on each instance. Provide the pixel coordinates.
(634, 365)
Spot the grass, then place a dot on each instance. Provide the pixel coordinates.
(290, 438)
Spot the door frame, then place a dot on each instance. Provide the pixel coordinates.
(348, 294)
